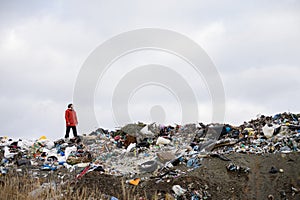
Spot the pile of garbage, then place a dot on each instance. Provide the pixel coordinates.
(151, 151)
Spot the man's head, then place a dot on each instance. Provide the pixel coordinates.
(70, 106)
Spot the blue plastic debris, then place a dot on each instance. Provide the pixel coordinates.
(193, 162)
(46, 167)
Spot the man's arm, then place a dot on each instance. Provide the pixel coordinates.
(67, 117)
(76, 120)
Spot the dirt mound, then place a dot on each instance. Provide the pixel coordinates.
(212, 180)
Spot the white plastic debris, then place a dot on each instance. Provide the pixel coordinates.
(69, 150)
(25, 144)
(71, 168)
(268, 131)
(49, 144)
(146, 132)
(7, 153)
(131, 146)
(82, 165)
(161, 140)
(179, 191)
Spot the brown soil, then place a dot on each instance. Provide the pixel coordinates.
(214, 178)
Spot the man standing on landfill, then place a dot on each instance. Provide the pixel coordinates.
(71, 121)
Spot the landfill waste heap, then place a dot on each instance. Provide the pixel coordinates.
(257, 160)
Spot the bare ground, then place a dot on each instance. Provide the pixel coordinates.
(213, 180)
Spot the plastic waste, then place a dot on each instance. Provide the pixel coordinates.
(134, 181)
(178, 190)
(7, 153)
(43, 137)
(268, 131)
(47, 167)
(149, 166)
(193, 162)
(273, 170)
(281, 170)
(146, 132)
(83, 172)
(23, 162)
(161, 140)
(236, 168)
(130, 147)
(3, 170)
(69, 150)
(285, 149)
(4, 161)
(117, 138)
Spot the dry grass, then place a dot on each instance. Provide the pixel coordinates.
(15, 187)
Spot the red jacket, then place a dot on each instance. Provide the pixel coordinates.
(71, 118)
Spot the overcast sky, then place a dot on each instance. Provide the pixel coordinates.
(255, 46)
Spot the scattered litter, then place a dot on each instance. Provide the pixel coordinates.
(134, 181)
(161, 152)
(236, 168)
(178, 190)
(273, 170)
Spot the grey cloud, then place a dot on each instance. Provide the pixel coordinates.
(43, 44)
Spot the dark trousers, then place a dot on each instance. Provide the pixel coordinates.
(68, 131)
